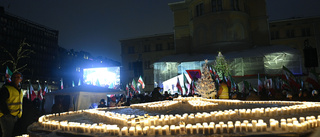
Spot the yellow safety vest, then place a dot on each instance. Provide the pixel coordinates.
(14, 101)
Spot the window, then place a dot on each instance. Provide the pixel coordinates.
(305, 32)
(158, 47)
(290, 33)
(131, 49)
(234, 4)
(147, 65)
(170, 46)
(217, 5)
(146, 48)
(199, 9)
(130, 65)
(274, 35)
(214, 5)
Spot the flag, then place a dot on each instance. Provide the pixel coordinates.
(45, 90)
(233, 83)
(192, 87)
(97, 83)
(40, 96)
(61, 83)
(111, 85)
(72, 83)
(33, 94)
(79, 83)
(28, 93)
(259, 84)
(288, 75)
(8, 74)
(194, 74)
(179, 86)
(133, 85)
(141, 82)
(185, 80)
(313, 80)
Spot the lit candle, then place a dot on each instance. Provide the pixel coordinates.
(172, 129)
(224, 128)
(158, 130)
(231, 128)
(132, 131)
(249, 127)
(188, 129)
(290, 127)
(124, 131)
(206, 129)
(258, 127)
(254, 125)
(211, 128)
(243, 127)
(218, 129)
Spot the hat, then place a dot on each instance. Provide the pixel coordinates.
(102, 100)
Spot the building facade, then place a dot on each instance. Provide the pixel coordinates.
(302, 34)
(200, 27)
(139, 54)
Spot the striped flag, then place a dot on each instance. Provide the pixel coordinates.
(8, 74)
(140, 80)
(313, 80)
(179, 86)
(133, 85)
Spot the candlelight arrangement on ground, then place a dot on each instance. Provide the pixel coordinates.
(247, 118)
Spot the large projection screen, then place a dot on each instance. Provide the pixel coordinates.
(104, 77)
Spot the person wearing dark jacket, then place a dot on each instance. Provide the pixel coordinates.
(11, 99)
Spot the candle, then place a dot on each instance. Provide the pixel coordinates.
(211, 127)
(283, 126)
(231, 128)
(254, 125)
(273, 126)
(243, 127)
(178, 131)
(132, 131)
(151, 130)
(145, 130)
(158, 130)
(218, 129)
(124, 131)
(200, 129)
(188, 129)
(206, 129)
(290, 127)
(249, 127)
(237, 127)
(172, 129)
(224, 128)
(259, 127)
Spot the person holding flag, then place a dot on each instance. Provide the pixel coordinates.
(11, 99)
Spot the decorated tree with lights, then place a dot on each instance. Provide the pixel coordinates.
(205, 85)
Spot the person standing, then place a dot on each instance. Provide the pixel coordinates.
(11, 99)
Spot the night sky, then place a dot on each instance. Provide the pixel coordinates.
(96, 26)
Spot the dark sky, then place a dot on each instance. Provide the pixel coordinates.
(97, 26)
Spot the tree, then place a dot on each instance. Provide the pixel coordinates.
(221, 66)
(205, 85)
(14, 59)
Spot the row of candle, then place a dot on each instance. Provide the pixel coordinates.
(199, 104)
(123, 119)
(160, 105)
(286, 125)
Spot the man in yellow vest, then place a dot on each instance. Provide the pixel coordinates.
(10, 104)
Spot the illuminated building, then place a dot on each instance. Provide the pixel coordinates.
(239, 29)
